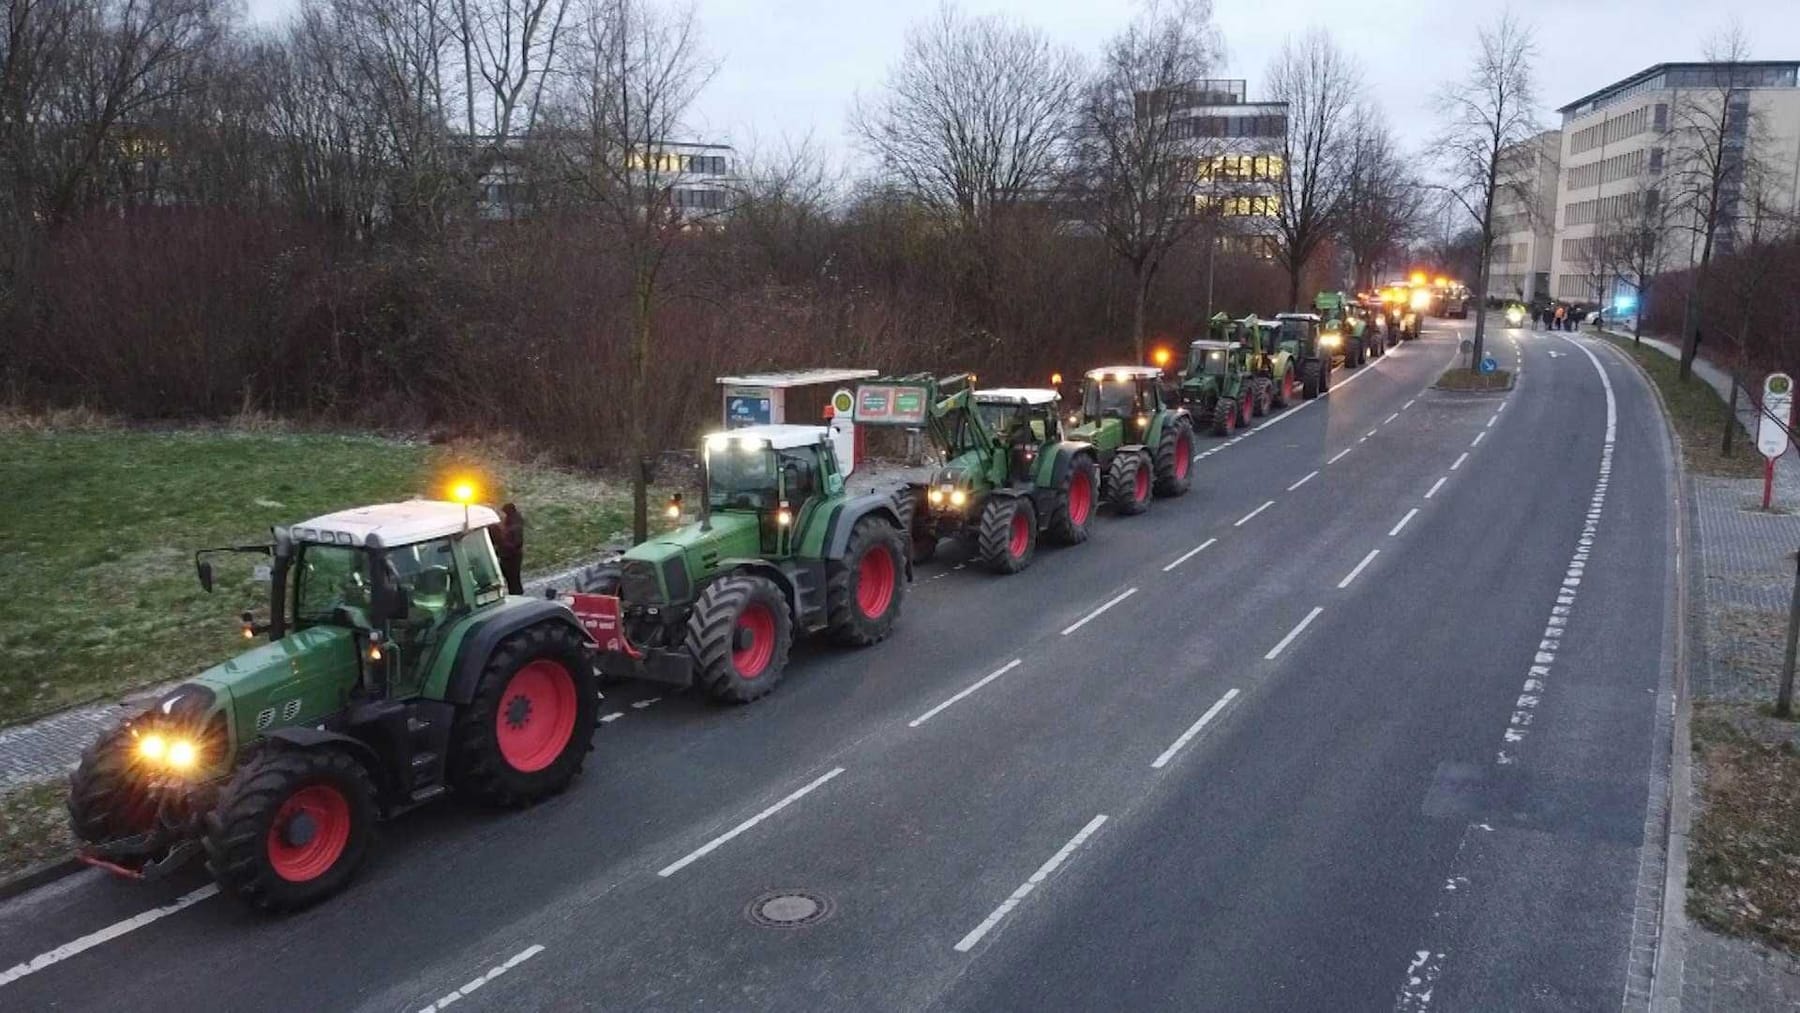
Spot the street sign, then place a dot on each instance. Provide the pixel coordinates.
(1777, 415)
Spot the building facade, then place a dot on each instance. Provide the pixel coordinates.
(1626, 167)
(1524, 219)
(697, 178)
(1241, 165)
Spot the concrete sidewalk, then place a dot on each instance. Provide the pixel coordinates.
(1746, 575)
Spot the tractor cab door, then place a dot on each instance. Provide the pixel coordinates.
(430, 574)
(802, 490)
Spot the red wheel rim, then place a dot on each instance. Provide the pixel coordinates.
(537, 716)
(1287, 386)
(1231, 420)
(324, 816)
(1184, 455)
(1081, 497)
(1141, 485)
(1247, 407)
(757, 623)
(875, 582)
(1021, 534)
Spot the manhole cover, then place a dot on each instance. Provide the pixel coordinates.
(789, 909)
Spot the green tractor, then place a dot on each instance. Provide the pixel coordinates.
(781, 548)
(397, 668)
(1300, 337)
(1007, 471)
(1219, 384)
(1143, 443)
(1357, 340)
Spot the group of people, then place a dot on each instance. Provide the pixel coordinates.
(1558, 317)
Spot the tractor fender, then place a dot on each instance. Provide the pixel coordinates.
(1062, 460)
(484, 638)
(763, 568)
(302, 737)
(837, 530)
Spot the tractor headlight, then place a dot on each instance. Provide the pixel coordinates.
(936, 496)
(958, 497)
(182, 754)
(153, 747)
(1331, 340)
(1143, 420)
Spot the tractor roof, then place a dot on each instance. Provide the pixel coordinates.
(415, 520)
(1124, 372)
(1016, 395)
(1208, 344)
(1314, 317)
(777, 436)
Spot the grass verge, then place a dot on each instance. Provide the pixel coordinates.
(1469, 379)
(1744, 876)
(1699, 415)
(34, 825)
(101, 523)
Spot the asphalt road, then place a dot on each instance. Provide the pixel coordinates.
(1365, 721)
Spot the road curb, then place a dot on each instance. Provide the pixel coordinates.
(29, 879)
(1667, 972)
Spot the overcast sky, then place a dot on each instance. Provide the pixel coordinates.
(787, 68)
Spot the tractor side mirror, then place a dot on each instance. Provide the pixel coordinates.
(204, 571)
(391, 603)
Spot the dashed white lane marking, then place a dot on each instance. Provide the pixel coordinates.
(1410, 514)
(494, 972)
(105, 935)
(1435, 486)
(1407, 405)
(1091, 616)
(1339, 455)
(1309, 477)
(984, 680)
(713, 845)
(1295, 632)
(614, 716)
(1352, 575)
(1476, 442)
(1241, 521)
(641, 704)
(1194, 729)
(1390, 418)
(1370, 433)
(968, 942)
(1460, 460)
(1495, 418)
(1190, 554)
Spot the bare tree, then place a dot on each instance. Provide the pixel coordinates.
(1383, 201)
(508, 55)
(1139, 164)
(1320, 84)
(632, 72)
(1485, 115)
(1717, 145)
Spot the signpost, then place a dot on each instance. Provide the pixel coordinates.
(1772, 426)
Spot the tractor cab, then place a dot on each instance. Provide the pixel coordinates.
(771, 476)
(1298, 333)
(1208, 357)
(1120, 392)
(1025, 419)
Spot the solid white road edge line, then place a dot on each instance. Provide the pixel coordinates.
(1241, 521)
(1091, 616)
(1190, 554)
(1296, 631)
(105, 935)
(984, 680)
(968, 942)
(1194, 729)
(1309, 477)
(494, 972)
(1410, 514)
(1435, 486)
(713, 845)
(1366, 560)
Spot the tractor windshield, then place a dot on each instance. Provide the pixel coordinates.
(1102, 399)
(1296, 330)
(1206, 361)
(741, 477)
(329, 576)
(999, 415)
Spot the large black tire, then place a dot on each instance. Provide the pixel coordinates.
(864, 589)
(1309, 379)
(105, 800)
(1175, 457)
(601, 578)
(1076, 502)
(530, 726)
(739, 635)
(1224, 416)
(1262, 396)
(1324, 377)
(1130, 478)
(1009, 530)
(291, 827)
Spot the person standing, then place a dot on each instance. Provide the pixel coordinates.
(1561, 316)
(509, 545)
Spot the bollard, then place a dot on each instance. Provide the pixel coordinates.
(1784, 697)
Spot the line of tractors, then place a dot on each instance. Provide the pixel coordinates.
(397, 668)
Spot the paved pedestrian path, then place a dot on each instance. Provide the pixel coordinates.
(1746, 559)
